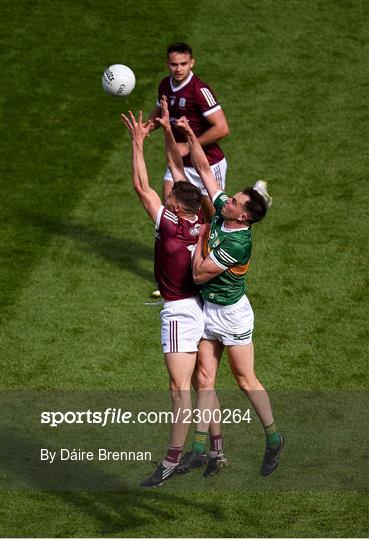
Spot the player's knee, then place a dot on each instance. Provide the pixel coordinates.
(248, 383)
(179, 388)
(204, 380)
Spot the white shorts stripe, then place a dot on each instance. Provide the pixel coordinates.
(182, 325)
(173, 336)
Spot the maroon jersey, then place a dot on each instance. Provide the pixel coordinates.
(195, 100)
(173, 272)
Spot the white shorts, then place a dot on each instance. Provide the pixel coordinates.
(182, 325)
(219, 171)
(231, 325)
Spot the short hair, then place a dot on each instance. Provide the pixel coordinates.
(179, 47)
(256, 207)
(188, 195)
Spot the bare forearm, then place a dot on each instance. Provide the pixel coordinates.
(212, 135)
(197, 260)
(204, 268)
(174, 159)
(140, 178)
(201, 164)
(198, 157)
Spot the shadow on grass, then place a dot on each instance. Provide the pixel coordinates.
(118, 509)
(124, 253)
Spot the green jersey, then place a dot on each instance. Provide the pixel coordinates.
(230, 249)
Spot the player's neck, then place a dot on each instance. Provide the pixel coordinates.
(176, 84)
(185, 215)
(234, 225)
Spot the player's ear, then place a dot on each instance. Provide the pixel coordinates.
(243, 218)
(192, 63)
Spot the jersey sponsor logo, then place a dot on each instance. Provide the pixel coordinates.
(182, 102)
(208, 96)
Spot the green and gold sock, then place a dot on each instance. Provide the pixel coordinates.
(199, 442)
(273, 438)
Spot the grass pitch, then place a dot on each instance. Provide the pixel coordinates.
(76, 248)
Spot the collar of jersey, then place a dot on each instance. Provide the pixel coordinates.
(193, 220)
(186, 81)
(225, 229)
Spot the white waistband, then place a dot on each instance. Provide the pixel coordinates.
(183, 302)
(241, 302)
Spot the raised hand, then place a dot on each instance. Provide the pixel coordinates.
(137, 129)
(183, 125)
(164, 120)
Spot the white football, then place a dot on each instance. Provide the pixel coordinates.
(118, 80)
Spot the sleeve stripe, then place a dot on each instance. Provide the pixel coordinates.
(158, 217)
(169, 218)
(208, 96)
(213, 258)
(211, 111)
(226, 256)
(217, 194)
(169, 213)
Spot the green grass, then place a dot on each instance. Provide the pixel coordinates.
(76, 248)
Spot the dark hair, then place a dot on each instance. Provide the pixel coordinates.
(179, 48)
(256, 207)
(188, 195)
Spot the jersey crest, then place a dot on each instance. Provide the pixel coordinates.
(195, 231)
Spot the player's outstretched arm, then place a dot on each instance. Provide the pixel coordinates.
(174, 158)
(199, 158)
(140, 180)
